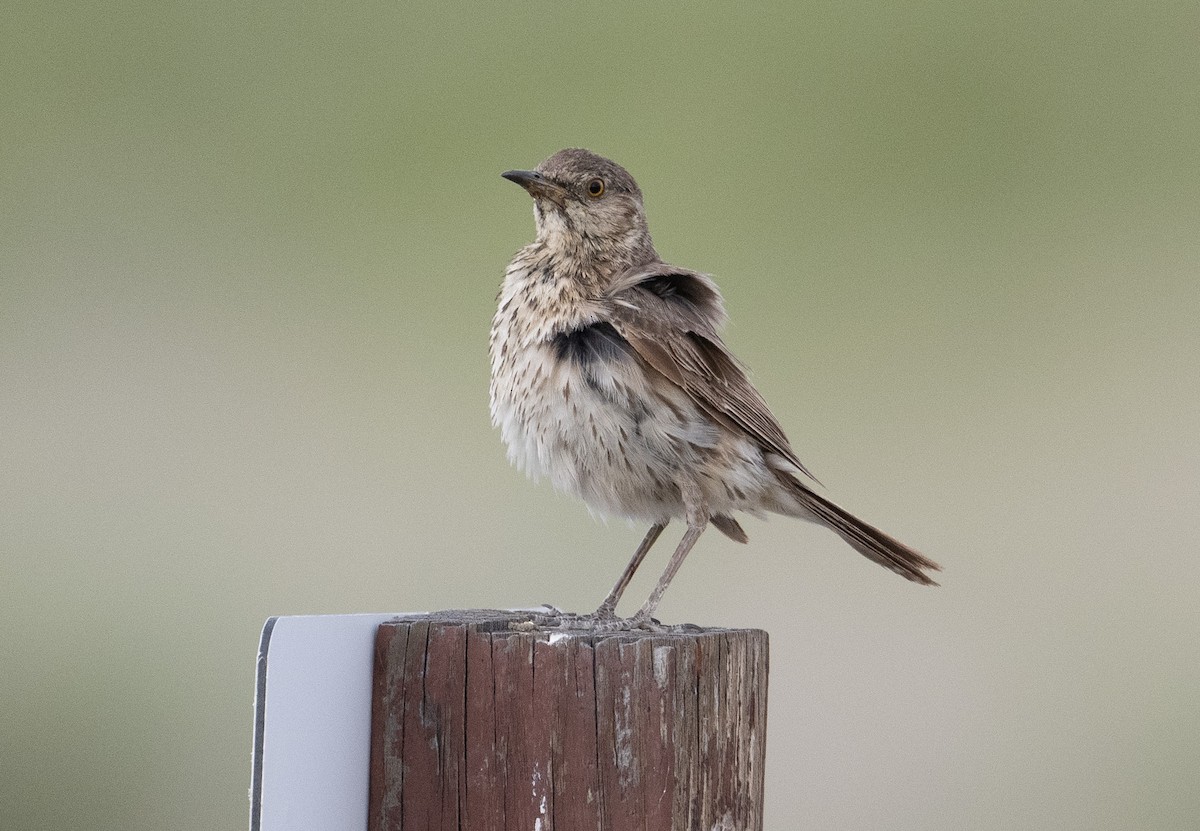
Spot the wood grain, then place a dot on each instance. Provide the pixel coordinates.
(484, 722)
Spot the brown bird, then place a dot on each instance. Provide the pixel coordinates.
(609, 377)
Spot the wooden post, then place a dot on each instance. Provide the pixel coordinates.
(484, 722)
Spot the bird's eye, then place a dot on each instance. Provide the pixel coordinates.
(595, 188)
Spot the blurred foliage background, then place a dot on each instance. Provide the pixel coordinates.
(248, 257)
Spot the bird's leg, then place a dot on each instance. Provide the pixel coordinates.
(645, 614)
(697, 520)
(608, 608)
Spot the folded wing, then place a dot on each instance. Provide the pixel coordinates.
(672, 317)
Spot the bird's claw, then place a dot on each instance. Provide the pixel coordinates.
(602, 621)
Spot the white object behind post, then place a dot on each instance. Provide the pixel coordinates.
(312, 723)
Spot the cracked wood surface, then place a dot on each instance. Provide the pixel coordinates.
(484, 722)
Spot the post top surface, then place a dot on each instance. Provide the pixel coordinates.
(555, 625)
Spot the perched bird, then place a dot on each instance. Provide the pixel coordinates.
(609, 377)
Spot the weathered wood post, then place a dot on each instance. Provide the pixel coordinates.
(484, 722)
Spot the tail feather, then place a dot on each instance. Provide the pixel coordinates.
(863, 538)
(729, 526)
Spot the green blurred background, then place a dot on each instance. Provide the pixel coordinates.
(249, 254)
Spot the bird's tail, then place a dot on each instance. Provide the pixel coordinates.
(865, 539)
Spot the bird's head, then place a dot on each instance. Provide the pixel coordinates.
(588, 204)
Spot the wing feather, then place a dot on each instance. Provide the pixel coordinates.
(672, 319)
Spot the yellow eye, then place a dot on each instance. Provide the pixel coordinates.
(595, 188)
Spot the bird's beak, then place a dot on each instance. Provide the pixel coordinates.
(538, 185)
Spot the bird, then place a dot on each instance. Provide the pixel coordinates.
(609, 377)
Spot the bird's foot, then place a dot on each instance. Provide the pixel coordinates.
(555, 618)
(602, 621)
(605, 619)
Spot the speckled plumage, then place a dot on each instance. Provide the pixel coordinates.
(609, 378)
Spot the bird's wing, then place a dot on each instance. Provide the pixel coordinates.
(672, 317)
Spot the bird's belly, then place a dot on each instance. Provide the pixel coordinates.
(613, 437)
